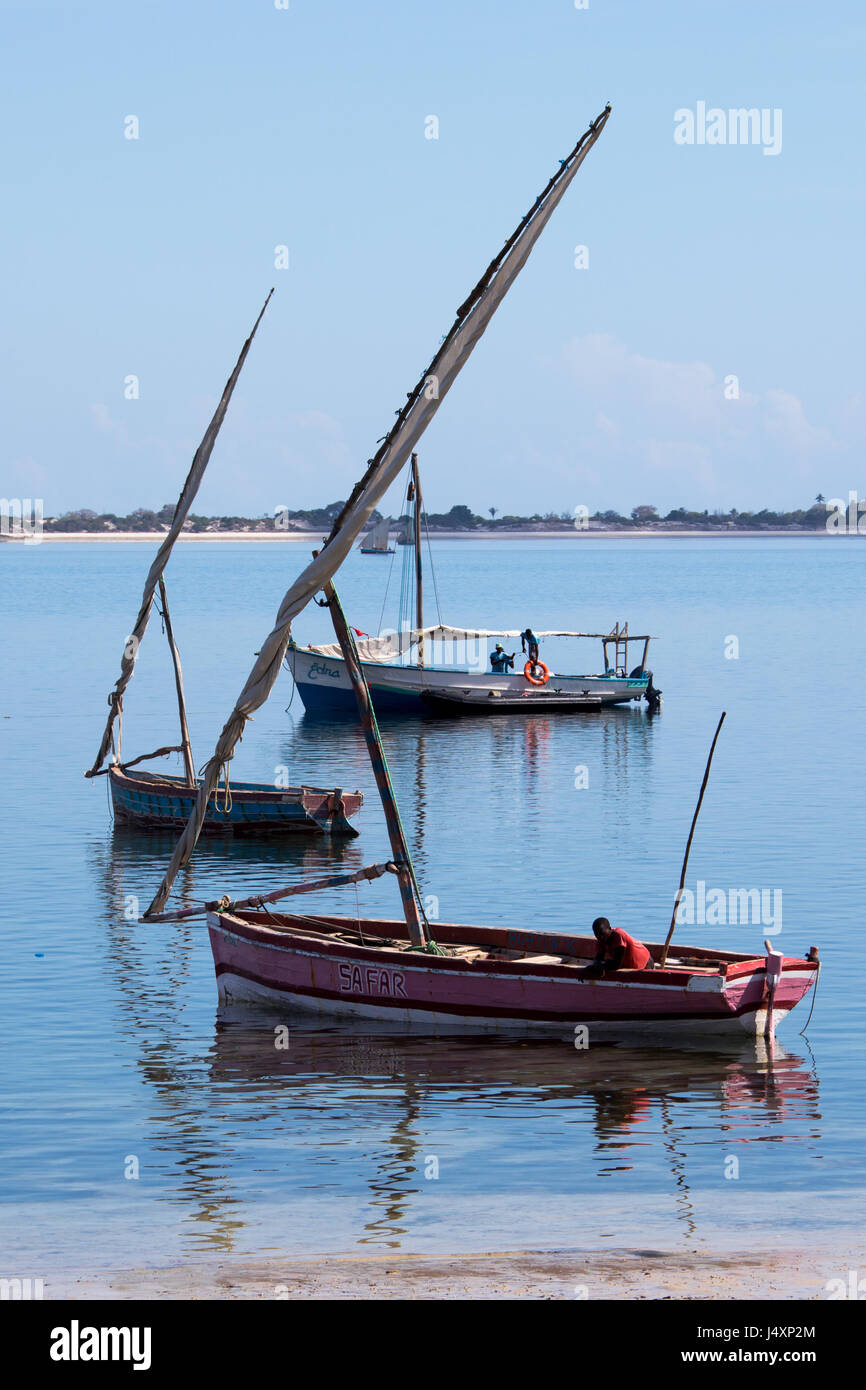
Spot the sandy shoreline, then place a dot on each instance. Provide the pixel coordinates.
(315, 537)
(626, 1274)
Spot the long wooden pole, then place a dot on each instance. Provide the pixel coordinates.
(419, 569)
(259, 899)
(471, 322)
(178, 681)
(417, 927)
(664, 956)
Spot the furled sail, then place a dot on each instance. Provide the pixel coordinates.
(421, 405)
(390, 645)
(181, 512)
(377, 537)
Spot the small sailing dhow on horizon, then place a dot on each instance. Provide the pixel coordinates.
(377, 539)
(477, 977)
(153, 800)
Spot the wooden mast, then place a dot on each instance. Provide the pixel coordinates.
(178, 681)
(664, 955)
(472, 319)
(419, 582)
(181, 512)
(419, 933)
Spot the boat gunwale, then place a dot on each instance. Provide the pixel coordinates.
(284, 928)
(630, 681)
(149, 782)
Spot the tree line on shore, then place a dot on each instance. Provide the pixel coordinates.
(459, 518)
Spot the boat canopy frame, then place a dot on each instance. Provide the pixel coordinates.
(387, 648)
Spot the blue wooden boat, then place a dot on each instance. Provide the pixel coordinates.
(154, 800)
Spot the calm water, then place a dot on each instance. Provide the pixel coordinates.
(113, 1043)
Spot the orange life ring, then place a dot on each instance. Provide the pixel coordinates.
(538, 666)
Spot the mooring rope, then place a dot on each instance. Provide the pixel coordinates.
(432, 568)
(814, 997)
(227, 797)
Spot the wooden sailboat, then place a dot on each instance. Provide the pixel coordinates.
(404, 681)
(155, 801)
(152, 799)
(493, 979)
(483, 978)
(376, 541)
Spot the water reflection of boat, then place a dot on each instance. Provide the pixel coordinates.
(618, 747)
(736, 1073)
(631, 1097)
(131, 856)
(321, 1048)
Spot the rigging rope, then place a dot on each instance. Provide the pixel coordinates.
(814, 997)
(432, 567)
(405, 609)
(406, 615)
(227, 797)
(358, 914)
(390, 573)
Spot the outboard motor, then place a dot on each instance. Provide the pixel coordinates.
(652, 694)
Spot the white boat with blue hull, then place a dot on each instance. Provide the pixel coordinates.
(401, 685)
(442, 670)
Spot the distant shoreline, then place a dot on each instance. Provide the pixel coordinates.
(315, 537)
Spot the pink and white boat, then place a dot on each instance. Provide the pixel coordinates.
(495, 978)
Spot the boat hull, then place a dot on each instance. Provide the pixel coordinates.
(278, 963)
(325, 688)
(153, 801)
(494, 702)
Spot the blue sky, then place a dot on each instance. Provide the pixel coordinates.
(260, 127)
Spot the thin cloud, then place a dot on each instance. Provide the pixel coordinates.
(680, 427)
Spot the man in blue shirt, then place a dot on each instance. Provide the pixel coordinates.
(500, 660)
(529, 640)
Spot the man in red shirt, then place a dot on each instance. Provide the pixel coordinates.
(616, 950)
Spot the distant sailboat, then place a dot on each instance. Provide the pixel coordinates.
(376, 541)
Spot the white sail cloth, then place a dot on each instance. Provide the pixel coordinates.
(422, 404)
(391, 645)
(377, 537)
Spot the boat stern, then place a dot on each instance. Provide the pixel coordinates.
(762, 991)
(331, 809)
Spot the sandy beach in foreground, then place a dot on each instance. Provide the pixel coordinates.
(626, 1274)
